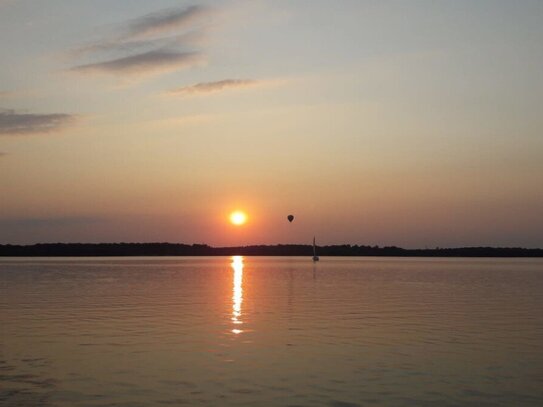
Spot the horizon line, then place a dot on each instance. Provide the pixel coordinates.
(376, 246)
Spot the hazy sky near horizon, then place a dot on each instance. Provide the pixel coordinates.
(410, 123)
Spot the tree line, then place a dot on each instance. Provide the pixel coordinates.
(178, 249)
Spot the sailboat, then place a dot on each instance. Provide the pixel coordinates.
(315, 257)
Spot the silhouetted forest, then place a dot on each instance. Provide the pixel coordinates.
(171, 249)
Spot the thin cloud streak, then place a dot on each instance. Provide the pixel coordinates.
(217, 86)
(187, 39)
(12, 123)
(167, 20)
(141, 46)
(144, 63)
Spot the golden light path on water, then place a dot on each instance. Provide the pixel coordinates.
(237, 293)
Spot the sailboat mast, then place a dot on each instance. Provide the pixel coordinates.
(315, 257)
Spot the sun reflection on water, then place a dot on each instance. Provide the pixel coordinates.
(237, 293)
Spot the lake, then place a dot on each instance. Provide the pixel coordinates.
(271, 331)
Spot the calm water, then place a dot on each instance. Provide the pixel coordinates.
(271, 332)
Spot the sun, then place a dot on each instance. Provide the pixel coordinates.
(238, 218)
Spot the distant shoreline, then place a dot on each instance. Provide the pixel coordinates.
(175, 249)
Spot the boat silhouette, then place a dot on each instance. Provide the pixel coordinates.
(315, 257)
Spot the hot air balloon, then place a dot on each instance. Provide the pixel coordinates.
(290, 218)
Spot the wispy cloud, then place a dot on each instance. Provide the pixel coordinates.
(166, 20)
(145, 63)
(116, 47)
(217, 86)
(163, 41)
(13, 123)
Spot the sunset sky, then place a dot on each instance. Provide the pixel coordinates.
(409, 123)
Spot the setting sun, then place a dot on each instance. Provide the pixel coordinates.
(238, 218)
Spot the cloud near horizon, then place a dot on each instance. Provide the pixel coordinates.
(216, 86)
(10, 224)
(13, 123)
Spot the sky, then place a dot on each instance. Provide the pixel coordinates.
(408, 123)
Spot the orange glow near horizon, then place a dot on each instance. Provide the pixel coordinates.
(237, 293)
(238, 218)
